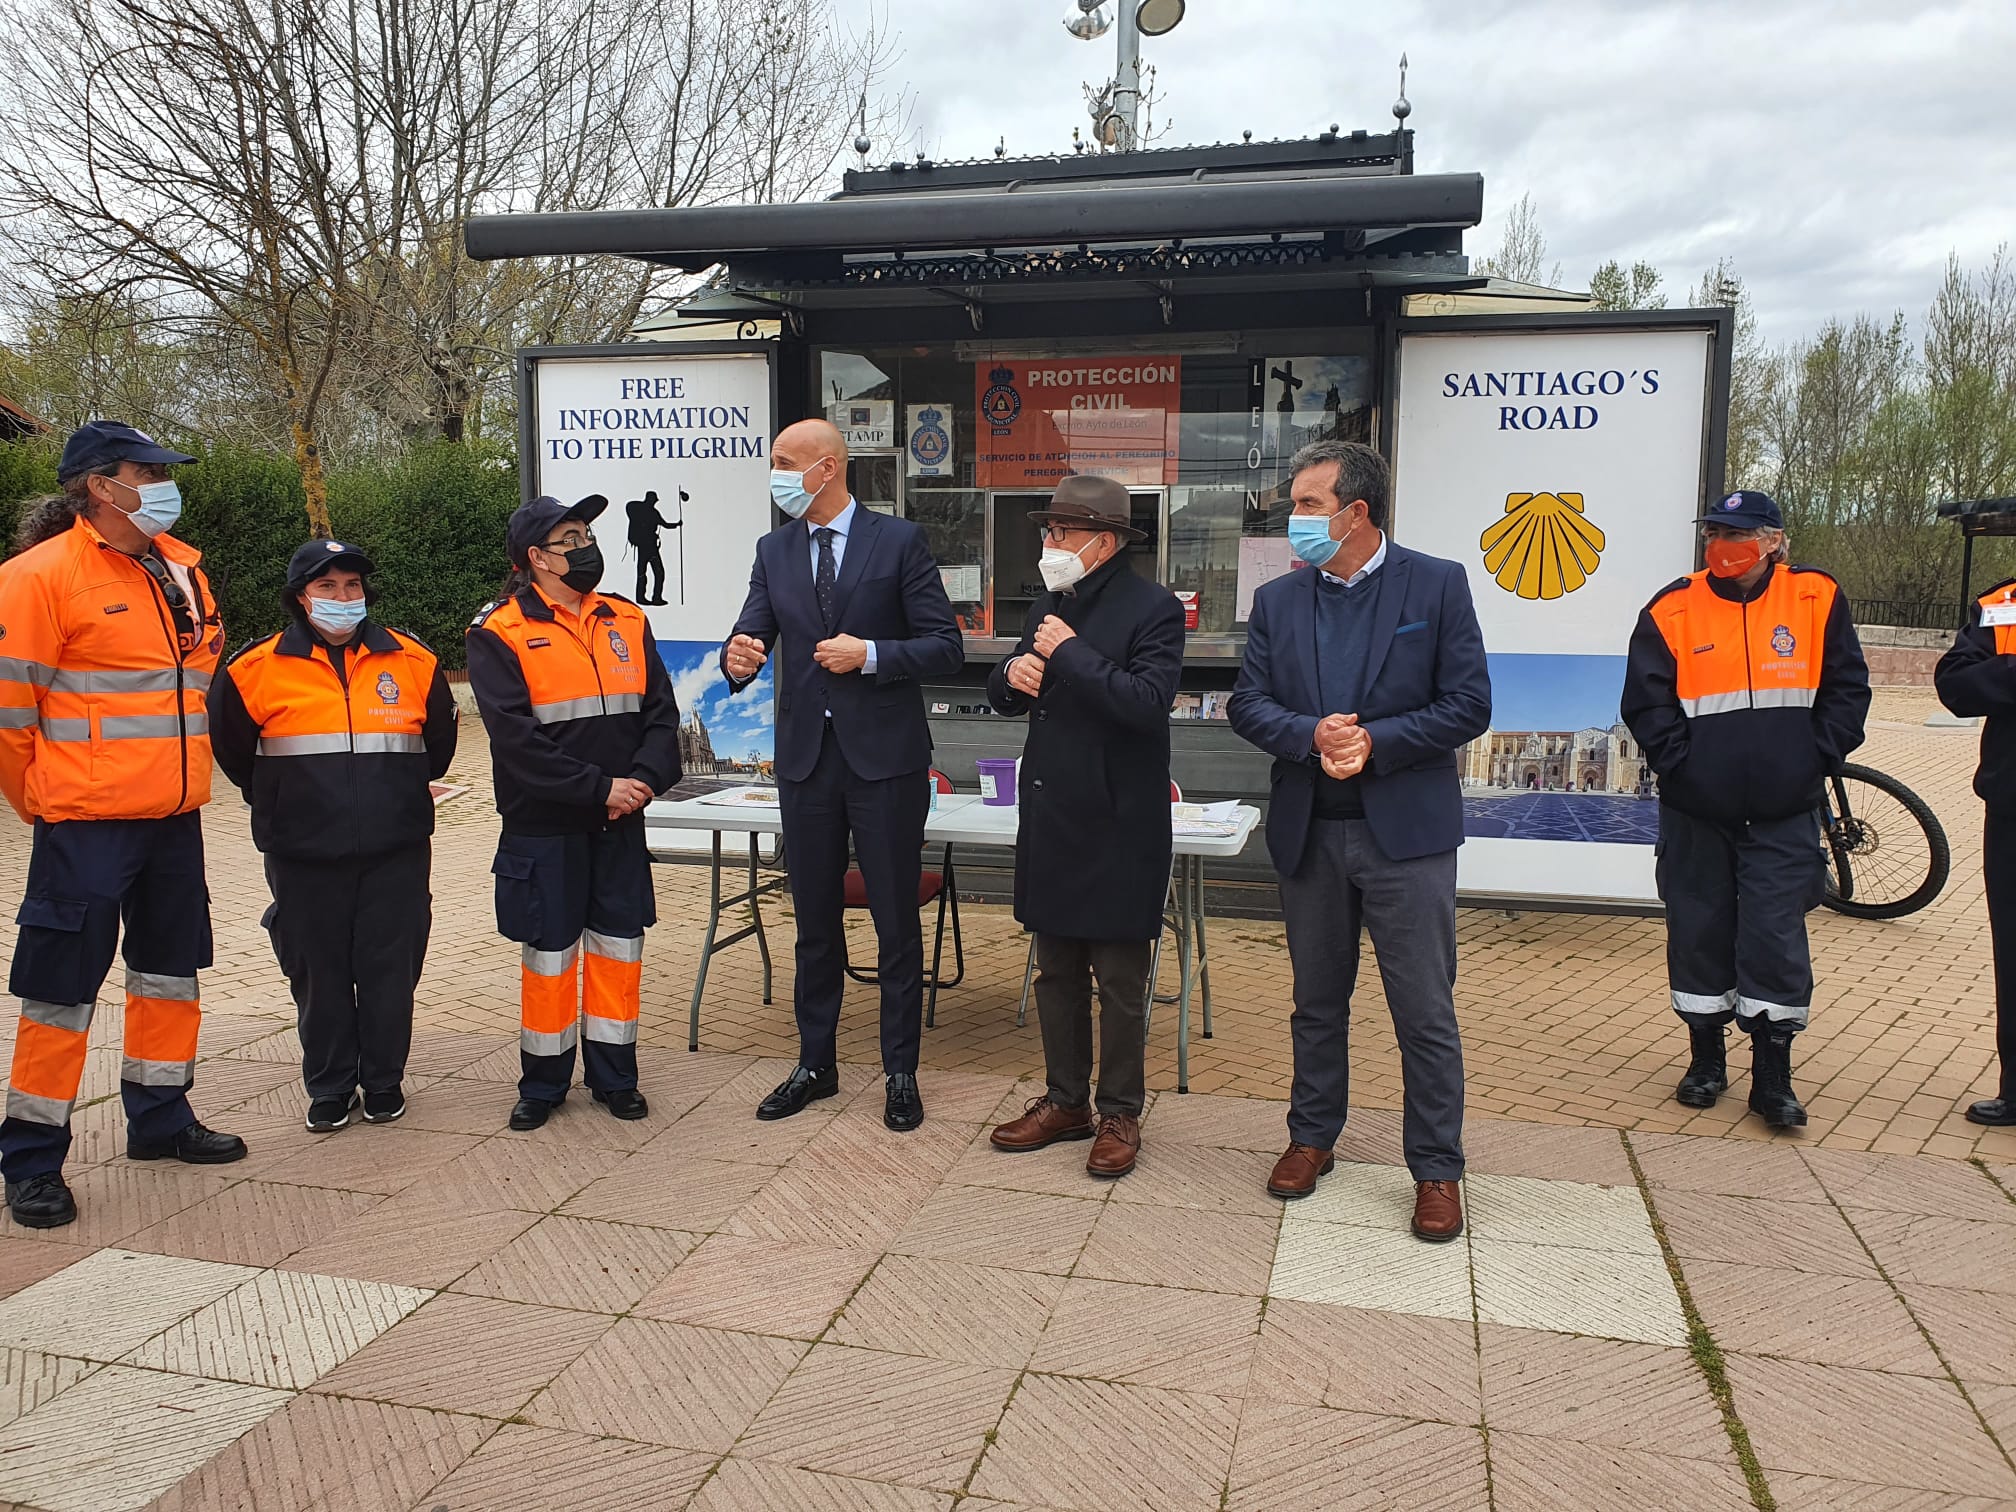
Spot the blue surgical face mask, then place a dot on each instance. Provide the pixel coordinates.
(787, 491)
(160, 507)
(337, 616)
(1309, 538)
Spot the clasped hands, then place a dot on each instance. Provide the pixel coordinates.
(843, 653)
(626, 796)
(1343, 745)
(1025, 672)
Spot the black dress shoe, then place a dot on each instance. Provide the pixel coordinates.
(529, 1113)
(194, 1145)
(1995, 1112)
(625, 1102)
(41, 1201)
(904, 1110)
(798, 1089)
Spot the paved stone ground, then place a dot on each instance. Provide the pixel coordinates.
(701, 1311)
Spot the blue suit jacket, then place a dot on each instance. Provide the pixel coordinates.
(1427, 693)
(888, 592)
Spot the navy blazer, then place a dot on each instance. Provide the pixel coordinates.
(888, 592)
(1427, 693)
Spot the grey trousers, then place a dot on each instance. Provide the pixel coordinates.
(1409, 907)
(1065, 972)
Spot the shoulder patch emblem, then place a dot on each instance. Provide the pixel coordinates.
(1782, 641)
(388, 688)
(618, 644)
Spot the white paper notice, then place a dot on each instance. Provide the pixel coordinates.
(1261, 560)
(962, 584)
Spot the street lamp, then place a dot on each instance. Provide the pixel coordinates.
(1116, 110)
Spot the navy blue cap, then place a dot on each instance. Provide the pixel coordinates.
(317, 557)
(1746, 509)
(533, 523)
(100, 443)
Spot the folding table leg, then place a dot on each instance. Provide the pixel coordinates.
(707, 945)
(763, 941)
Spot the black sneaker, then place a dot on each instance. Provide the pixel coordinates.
(41, 1201)
(328, 1114)
(383, 1107)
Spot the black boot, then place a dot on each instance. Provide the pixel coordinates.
(1707, 1075)
(1771, 1096)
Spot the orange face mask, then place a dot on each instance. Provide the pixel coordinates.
(1731, 559)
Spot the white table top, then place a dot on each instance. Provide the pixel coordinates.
(959, 819)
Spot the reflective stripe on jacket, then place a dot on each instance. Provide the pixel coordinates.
(1977, 677)
(335, 766)
(571, 701)
(102, 685)
(1744, 702)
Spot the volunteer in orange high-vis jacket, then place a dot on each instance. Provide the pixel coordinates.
(583, 733)
(1978, 677)
(333, 730)
(109, 635)
(1745, 686)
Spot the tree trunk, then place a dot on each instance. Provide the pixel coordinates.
(308, 456)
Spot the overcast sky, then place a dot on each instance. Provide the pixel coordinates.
(1835, 149)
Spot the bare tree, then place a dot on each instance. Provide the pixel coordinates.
(1522, 251)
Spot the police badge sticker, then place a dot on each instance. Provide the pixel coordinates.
(618, 645)
(388, 688)
(1782, 641)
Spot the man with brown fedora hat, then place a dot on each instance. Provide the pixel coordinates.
(1095, 670)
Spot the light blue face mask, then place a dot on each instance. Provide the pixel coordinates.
(337, 616)
(787, 491)
(1309, 538)
(160, 507)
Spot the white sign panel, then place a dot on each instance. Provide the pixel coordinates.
(1563, 469)
(867, 424)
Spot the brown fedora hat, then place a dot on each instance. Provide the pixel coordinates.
(1088, 503)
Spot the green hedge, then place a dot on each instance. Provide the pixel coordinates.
(433, 521)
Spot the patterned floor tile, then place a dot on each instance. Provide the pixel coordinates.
(281, 1328)
(510, 1173)
(1109, 1448)
(112, 1301)
(390, 1161)
(1828, 1320)
(412, 1244)
(449, 1106)
(1544, 1151)
(122, 1198)
(835, 1207)
(1817, 1493)
(751, 1486)
(863, 1147)
(1151, 1336)
(1918, 1250)
(705, 1385)
(439, 1054)
(1976, 1331)
(875, 1416)
(1216, 1181)
(29, 1378)
(331, 1454)
(725, 1127)
(1225, 1123)
(1160, 1246)
(1574, 1214)
(570, 1470)
(1018, 1230)
(467, 1354)
(62, 1458)
(1058, 1171)
(23, 1262)
(758, 1286)
(949, 1311)
(665, 1189)
(255, 1223)
(1551, 1475)
(1364, 1361)
(1754, 1231)
(1599, 1391)
(581, 1263)
(1725, 1168)
(1997, 1404)
(1910, 1184)
(1366, 1267)
(1370, 1196)
(1607, 1293)
(1304, 1459)
(1860, 1425)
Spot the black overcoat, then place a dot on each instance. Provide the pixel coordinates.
(1092, 839)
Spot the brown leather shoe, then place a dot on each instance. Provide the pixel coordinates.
(1042, 1123)
(1438, 1211)
(1296, 1171)
(1114, 1151)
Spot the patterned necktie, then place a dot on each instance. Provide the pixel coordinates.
(822, 585)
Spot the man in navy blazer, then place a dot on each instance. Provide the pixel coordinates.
(1362, 678)
(855, 599)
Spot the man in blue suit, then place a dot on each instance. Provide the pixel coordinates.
(1362, 679)
(863, 617)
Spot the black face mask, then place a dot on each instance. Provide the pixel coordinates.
(584, 567)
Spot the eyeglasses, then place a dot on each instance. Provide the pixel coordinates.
(171, 591)
(1056, 535)
(569, 543)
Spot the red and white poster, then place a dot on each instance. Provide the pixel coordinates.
(1114, 417)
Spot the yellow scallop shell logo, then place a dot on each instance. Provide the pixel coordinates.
(1544, 547)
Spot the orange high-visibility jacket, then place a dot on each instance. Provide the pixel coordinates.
(571, 701)
(1744, 702)
(334, 765)
(102, 683)
(1978, 677)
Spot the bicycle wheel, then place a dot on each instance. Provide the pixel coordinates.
(1886, 851)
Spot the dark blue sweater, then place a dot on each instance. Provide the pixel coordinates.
(1343, 648)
